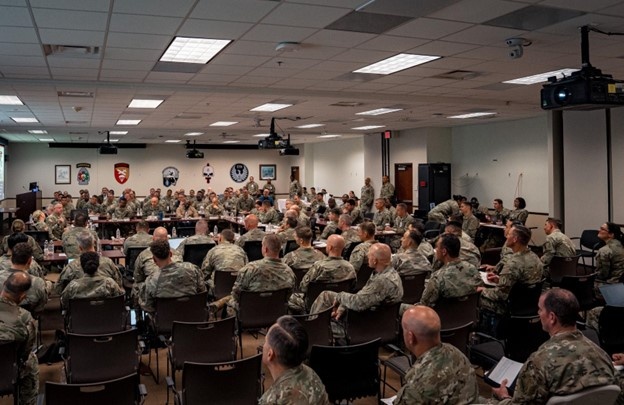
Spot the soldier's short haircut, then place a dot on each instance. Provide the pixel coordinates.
(21, 253)
(383, 200)
(419, 226)
(18, 282)
(90, 261)
(85, 240)
(16, 238)
(368, 228)
(351, 201)
(556, 222)
(228, 235)
(304, 233)
(160, 249)
(402, 205)
(454, 227)
(289, 340)
(292, 222)
(522, 233)
(451, 243)
(346, 218)
(336, 211)
(272, 242)
(142, 225)
(563, 304)
(266, 203)
(415, 236)
(18, 225)
(498, 200)
(80, 219)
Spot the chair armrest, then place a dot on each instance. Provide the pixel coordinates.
(62, 352)
(490, 338)
(142, 392)
(163, 340)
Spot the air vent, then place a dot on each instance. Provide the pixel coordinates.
(347, 104)
(188, 117)
(78, 133)
(73, 51)
(457, 75)
(82, 94)
(76, 122)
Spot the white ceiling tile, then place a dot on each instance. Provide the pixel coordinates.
(243, 60)
(20, 49)
(144, 24)
(87, 5)
(429, 28)
(352, 4)
(178, 8)
(477, 11)
(359, 55)
(442, 48)
(278, 33)
(233, 10)
(15, 17)
(71, 37)
(484, 35)
(20, 35)
(22, 61)
(251, 48)
(570, 27)
(73, 62)
(132, 54)
(338, 38)
(71, 20)
(127, 65)
(140, 41)
(213, 29)
(168, 77)
(392, 43)
(298, 15)
(581, 4)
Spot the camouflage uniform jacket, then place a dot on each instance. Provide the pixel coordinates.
(56, 226)
(225, 256)
(252, 187)
(454, 279)
(254, 234)
(468, 252)
(426, 249)
(298, 385)
(387, 190)
(151, 211)
(245, 204)
(269, 187)
(315, 204)
(35, 268)
(329, 269)
(470, 225)
(294, 188)
(43, 226)
(303, 219)
(67, 209)
(95, 286)
(557, 244)
(356, 216)
(183, 212)
(445, 209)
(350, 236)
(442, 375)
(522, 267)
(36, 296)
(367, 195)
(519, 215)
(330, 229)
(610, 262)
(212, 210)
(144, 265)
(286, 235)
(173, 280)
(271, 217)
(502, 215)
(358, 256)
(384, 287)
(108, 207)
(410, 262)
(80, 204)
(383, 217)
(121, 213)
(565, 364)
(263, 275)
(70, 240)
(93, 208)
(194, 240)
(139, 239)
(401, 223)
(74, 271)
(36, 248)
(303, 258)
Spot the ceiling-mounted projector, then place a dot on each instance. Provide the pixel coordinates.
(289, 151)
(194, 154)
(108, 149)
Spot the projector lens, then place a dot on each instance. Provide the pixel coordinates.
(562, 95)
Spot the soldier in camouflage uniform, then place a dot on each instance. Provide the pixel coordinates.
(70, 237)
(557, 243)
(245, 203)
(442, 211)
(67, 204)
(92, 284)
(37, 294)
(383, 287)
(349, 234)
(140, 239)
(383, 216)
(294, 188)
(39, 222)
(122, 210)
(269, 215)
(17, 325)
(522, 267)
(186, 209)
(286, 231)
(400, 223)
(332, 225)
(305, 256)
(269, 186)
(441, 374)
(410, 261)
(73, 270)
(215, 208)
(366, 232)
(56, 222)
(252, 187)
(267, 274)
(172, 279)
(367, 196)
(468, 251)
(565, 364)
(331, 269)
(5, 260)
(351, 209)
(500, 213)
(387, 188)
(293, 381)
(18, 226)
(317, 203)
(470, 223)
(226, 256)
(610, 258)
(456, 278)
(153, 208)
(201, 236)
(108, 206)
(253, 233)
(93, 207)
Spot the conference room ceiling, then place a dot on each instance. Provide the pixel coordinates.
(74, 95)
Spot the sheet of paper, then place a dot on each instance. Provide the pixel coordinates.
(485, 279)
(505, 369)
(388, 401)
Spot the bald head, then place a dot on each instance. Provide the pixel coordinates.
(421, 329)
(381, 254)
(251, 222)
(201, 227)
(335, 245)
(160, 233)
(16, 286)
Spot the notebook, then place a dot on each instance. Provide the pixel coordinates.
(613, 294)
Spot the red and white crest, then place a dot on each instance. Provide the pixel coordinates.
(122, 172)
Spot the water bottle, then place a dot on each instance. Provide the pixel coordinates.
(30, 219)
(51, 248)
(99, 246)
(215, 231)
(118, 234)
(45, 247)
(174, 232)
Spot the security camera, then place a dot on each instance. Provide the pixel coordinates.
(516, 52)
(515, 41)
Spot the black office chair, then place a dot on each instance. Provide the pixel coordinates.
(9, 370)
(291, 245)
(413, 287)
(523, 299)
(223, 282)
(133, 254)
(41, 237)
(315, 288)
(562, 266)
(363, 274)
(318, 328)
(455, 312)
(610, 329)
(195, 253)
(458, 337)
(583, 289)
(491, 256)
(380, 322)
(589, 243)
(346, 254)
(185, 231)
(90, 316)
(253, 248)
(121, 391)
(348, 372)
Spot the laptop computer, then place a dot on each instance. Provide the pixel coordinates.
(175, 242)
(613, 294)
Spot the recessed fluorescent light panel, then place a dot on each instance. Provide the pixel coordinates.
(366, 127)
(144, 103)
(46, 139)
(128, 122)
(541, 77)
(260, 135)
(112, 140)
(193, 50)
(231, 141)
(271, 107)
(172, 141)
(223, 123)
(21, 120)
(306, 126)
(473, 115)
(330, 136)
(194, 133)
(118, 132)
(379, 111)
(37, 131)
(396, 63)
(10, 100)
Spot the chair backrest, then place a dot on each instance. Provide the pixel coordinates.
(590, 240)
(431, 234)
(491, 256)
(190, 308)
(605, 395)
(290, 246)
(348, 372)
(455, 312)
(610, 329)
(458, 337)
(363, 274)
(413, 287)
(562, 266)
(253, 248)
(523, 335)
(203, 342)
(299, 273)
(583, 289)
(185, 231)
(93, 358)
(318, 327)
(96, 316)
(260, 309)
(197, 252)
(223, 282)
(378, 322)
(523, 299)
(433, 225)
(133, 253)
(8, 368)
(315, 288)
(73, 213)
(121, 391)
(39, 236)
(231, 383)
(346, 254)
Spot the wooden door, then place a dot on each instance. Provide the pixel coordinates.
(403, 184)
(294, 170)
